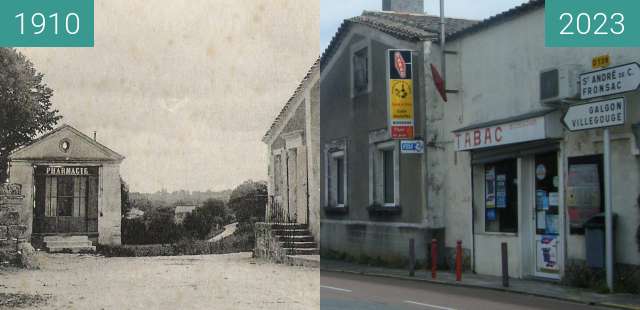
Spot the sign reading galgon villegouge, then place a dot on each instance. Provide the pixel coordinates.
(599, 114)
(400, 81)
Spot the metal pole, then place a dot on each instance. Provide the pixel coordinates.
(443, 63)
(505, 264)
(607, 209)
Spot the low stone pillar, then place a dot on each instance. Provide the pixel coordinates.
(13, 235)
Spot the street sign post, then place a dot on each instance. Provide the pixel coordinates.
(602, 114)
(610, 81)
(598, 114)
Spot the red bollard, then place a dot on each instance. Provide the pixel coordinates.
(459, 260)
(434, 257)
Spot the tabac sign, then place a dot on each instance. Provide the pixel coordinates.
(502, 134)
(400, 88)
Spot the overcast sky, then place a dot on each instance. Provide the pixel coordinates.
(334, 11)
(185, 89)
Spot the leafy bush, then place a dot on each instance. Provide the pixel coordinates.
(211, 215)
(248, 201)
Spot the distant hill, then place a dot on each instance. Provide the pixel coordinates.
(182, 197)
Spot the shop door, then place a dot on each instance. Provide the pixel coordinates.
(548, 245)
(65, 203)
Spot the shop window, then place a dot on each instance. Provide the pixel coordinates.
(585, 190)
(66, 196)
(336, 179)
(501, 196)
(360, 71)
(386, 174)
(547, 199)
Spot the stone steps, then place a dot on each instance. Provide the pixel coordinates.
(291, 232)
(73, 244)
(302, 251)
(300, 238)
(299, 245)
(295, 239)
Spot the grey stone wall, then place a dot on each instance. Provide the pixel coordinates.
(12, 232)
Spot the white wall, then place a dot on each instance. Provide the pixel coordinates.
(109, 212)
(496, 72)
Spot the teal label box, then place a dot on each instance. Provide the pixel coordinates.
(46, 23)
(592, 23)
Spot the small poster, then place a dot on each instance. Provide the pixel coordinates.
(491, 215)
(583, 193)
(490, 188)
(501, 191)
(541, 172)
(541, 222)
(552, 224)
(542, 200)
(547, 260)
(554, 199)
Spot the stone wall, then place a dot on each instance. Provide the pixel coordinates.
(12, 232)
(267, 247)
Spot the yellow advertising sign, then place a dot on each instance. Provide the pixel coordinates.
(400, 75)
(401, 99)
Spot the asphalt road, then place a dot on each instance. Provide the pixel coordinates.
(350, 291)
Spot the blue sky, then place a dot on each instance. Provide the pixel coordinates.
(332, 12)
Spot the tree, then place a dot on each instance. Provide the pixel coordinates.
(248, 201)
(25, 104)
(205, 218)
(125, 204)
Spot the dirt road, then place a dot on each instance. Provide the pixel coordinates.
(232, 281)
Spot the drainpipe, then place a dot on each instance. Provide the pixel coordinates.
(443, 65)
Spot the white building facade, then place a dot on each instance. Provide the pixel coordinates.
(509, 171)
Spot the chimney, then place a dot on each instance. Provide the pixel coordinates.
(94, 136)
(404, 6)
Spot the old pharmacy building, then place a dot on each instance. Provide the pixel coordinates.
(71, 185)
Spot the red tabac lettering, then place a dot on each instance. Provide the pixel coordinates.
(498, 137)
(476, 137)
(487, 136)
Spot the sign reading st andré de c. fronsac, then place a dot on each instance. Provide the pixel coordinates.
(610, 81)
(599, 114)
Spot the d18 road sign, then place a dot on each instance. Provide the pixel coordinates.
(598, 114)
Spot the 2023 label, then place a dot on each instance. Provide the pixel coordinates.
(592, 23)
(47, 23)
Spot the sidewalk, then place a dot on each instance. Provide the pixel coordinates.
(530, 287)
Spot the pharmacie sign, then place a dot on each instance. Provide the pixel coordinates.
(598, 114)
(73, 171)
(610, 81)
(400, 90)
(502, 134)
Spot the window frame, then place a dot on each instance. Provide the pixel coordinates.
(376, 171)
(333, 151)
(355, 49)
(500, 230)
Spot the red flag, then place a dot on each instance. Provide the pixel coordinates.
(439, 82)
